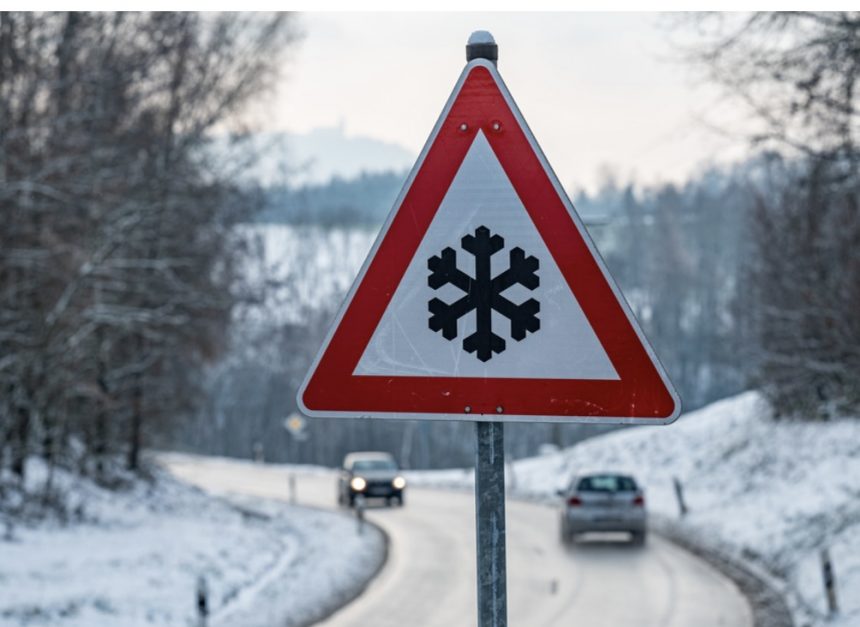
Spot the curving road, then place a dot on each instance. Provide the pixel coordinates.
(429, 579)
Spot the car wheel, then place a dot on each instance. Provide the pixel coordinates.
(637, 538)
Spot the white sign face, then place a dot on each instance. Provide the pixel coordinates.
(565, 347)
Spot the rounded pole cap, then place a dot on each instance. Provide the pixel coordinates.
(481, 45)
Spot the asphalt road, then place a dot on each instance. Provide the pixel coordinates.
(429, 579)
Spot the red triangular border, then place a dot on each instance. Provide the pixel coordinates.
(643, 393)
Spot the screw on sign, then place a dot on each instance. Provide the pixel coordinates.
(484, 298)
(483, 293)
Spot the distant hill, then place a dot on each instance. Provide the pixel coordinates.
(363, 200)
(322, 154)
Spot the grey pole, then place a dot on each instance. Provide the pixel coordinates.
(490, 524)
(489, 466)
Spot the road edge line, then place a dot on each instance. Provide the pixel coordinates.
(771, 599)
(364, 585)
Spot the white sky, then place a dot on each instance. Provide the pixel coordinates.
(597, 89)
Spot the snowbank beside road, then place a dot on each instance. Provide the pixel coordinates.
(774, 492)
(133, 557)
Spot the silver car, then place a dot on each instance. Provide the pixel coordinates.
(603, 502)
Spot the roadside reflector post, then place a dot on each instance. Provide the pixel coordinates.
(9, 536)
(292, 483)
(679, 495)
(829, 582)
(202, 597)
(359, 512)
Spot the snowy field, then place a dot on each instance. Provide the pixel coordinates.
(774, 493)
(135, 557)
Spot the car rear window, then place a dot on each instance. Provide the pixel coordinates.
(606, 483)
(374, 464)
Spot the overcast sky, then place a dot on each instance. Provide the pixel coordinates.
(597, 89)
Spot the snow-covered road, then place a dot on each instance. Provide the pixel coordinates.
(429, 578)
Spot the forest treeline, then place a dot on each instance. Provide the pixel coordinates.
(363, 201)
(118, 252)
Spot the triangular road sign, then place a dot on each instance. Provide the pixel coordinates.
(483, 297)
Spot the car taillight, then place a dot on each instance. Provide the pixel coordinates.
(574, 501)
(639, 501)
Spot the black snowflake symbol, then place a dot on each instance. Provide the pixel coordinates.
(483, 293)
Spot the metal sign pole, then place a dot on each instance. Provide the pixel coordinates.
(490, 524)
(489, 467)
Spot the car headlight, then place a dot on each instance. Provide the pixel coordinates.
(358, 484)
(399, 483)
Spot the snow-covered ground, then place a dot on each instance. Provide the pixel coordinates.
(134, 557)
(772, 492)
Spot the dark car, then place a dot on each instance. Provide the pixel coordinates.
(370, 475)
(603, 502)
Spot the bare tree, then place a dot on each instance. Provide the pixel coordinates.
(797, 73)
(118, 245)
